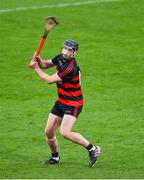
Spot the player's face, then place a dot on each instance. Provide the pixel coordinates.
(67, 52)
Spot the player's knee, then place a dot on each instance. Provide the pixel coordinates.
(65, 133)
(49, 133)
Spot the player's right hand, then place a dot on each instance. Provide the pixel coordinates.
(38, 59)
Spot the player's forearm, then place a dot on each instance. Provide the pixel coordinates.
(46, 64)
(43, 75)
(43, 64)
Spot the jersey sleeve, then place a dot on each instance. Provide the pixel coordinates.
(55, 59)
(68, 71)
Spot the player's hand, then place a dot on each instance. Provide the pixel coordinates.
(38, 59)
(34, 65)
(34, 59)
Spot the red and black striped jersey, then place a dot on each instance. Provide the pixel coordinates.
(69, 89)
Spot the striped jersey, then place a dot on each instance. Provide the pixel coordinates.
(69, 89)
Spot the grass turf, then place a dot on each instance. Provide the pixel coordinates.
(111, 60)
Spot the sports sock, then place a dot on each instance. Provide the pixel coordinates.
(90, 147)
(55, 156)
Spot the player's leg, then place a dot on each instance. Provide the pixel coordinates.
(66, 131)
(53, 123)
(67, 124)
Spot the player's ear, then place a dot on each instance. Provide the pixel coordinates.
(75, 53)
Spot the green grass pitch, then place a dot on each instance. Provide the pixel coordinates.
(111, 57)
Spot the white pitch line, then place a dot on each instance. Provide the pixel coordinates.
(57, 5)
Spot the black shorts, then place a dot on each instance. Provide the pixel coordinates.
(60, 109)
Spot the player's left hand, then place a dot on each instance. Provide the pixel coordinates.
(34, 65)
(34, 62)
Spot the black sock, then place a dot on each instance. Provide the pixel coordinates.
(89, 147)
(55, 154)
